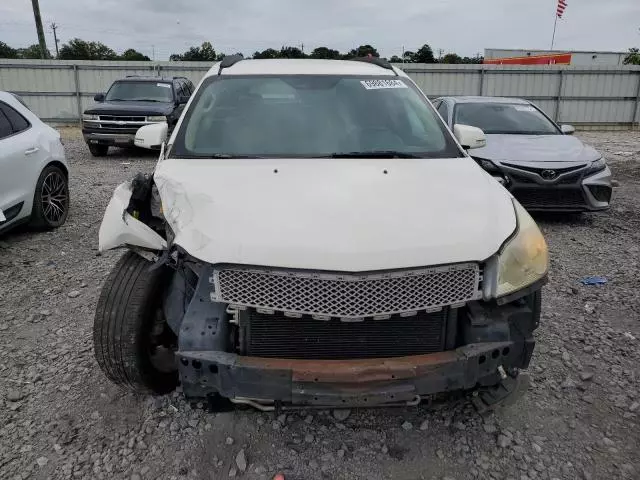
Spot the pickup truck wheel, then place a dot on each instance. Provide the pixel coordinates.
(132, 342)
(98, 150)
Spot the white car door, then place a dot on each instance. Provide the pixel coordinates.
(20, 159)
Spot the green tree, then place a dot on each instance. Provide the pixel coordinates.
(395, 59)
(78, 49)
(132, 54)
(452, 58)
(423, 55)
(203, 53)
(268, 53)
(472, 59)
(407, 56)
(362, 51)
(32, 51)
(7, 52)
(291, 52)
(633, 57)
(326, 53)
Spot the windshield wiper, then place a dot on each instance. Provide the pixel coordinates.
(374, 154)
(148, 100)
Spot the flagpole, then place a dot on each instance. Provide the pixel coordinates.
(553, 37)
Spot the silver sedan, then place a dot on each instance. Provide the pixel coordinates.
(542, 164)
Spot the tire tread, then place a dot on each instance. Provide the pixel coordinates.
(121, 321)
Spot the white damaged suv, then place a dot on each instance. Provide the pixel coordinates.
(314, 234)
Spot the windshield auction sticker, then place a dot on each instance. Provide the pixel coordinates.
(380, 84)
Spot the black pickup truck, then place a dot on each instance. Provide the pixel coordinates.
(129, 104)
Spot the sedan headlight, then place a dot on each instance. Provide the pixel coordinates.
(487, 165)
(158, 118)
(597, 166)
(525, 258)
(93, 118)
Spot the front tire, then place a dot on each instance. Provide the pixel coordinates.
(98, 150)
(51, 199)
(130, 335)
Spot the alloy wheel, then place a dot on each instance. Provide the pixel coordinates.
(54, 197)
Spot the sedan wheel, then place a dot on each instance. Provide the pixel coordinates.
(51, 199)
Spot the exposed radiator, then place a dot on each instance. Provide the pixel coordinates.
(277, 336)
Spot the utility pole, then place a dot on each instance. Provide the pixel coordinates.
(54, 27)
(440, 52)
(40, 30)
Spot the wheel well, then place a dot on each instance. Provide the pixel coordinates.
(60, 165)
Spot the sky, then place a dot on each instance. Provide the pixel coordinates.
(465, 27)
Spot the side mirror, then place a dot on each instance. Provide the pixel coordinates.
(469, 137)
(151, 136)
(182, 99)
(99, 97)
(568, 129)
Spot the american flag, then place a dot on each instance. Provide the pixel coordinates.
(562, 5)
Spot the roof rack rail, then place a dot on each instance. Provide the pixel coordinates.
(381, 62)
(229, 61)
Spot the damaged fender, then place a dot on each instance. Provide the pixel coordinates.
(119, 228)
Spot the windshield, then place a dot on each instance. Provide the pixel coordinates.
(509, 118)
(140, 91)
(311, 116)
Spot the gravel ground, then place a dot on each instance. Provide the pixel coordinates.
(60, 418)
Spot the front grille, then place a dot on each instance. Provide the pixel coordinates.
(112, 127)
(119, 118)
(277, 336)
(516, 178)
(549, 197)
(565, 180)
(347, 295)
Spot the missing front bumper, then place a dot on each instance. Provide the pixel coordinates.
(345, 382)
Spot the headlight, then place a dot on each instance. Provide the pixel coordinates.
(525, 258)
(94, 118)
(159, 118)
(597, 166)
(487, 165)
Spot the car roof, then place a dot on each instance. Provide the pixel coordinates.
(478, 99)
(141, 78)
(288, 66)
(6, 96)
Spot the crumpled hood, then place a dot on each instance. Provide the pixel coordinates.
(334, 214)
(131, 108)
(535, 148)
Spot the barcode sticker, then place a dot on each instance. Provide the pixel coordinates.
(380, 84)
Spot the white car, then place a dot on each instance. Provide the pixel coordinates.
(34, 176)
(320, 237)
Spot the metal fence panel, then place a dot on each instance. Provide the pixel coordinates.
(584, 96)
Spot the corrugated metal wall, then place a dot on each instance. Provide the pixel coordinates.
(594, 96)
